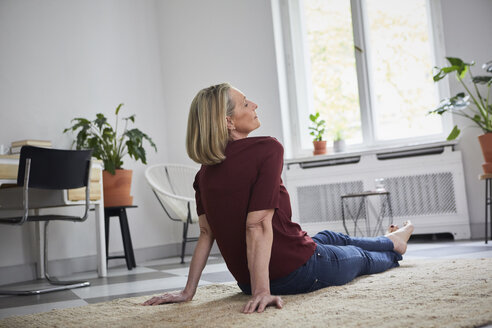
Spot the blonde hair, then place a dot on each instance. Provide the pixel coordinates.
(207, 135)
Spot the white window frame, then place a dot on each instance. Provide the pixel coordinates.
(295, 84)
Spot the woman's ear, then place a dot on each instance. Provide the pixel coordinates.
(230, 123)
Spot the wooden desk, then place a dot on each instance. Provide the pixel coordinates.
(8, 175)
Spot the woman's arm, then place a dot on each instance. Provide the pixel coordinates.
(259, 238)
(198, 261)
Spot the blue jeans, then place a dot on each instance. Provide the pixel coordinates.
(338, 259)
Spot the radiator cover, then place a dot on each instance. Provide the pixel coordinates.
(425, 187)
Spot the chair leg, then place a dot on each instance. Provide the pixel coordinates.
(183, 244)
(61, 285)
(66, 284)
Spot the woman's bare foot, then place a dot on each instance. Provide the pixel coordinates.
(392, 228)
(400, 237)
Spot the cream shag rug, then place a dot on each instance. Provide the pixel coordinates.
(420, 293)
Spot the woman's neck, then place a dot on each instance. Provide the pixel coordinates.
(235, 135)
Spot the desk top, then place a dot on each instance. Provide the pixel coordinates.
(17, 156)
(485, 176)
(14, 156)
(9, 165)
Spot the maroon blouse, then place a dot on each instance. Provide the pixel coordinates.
(249, 180)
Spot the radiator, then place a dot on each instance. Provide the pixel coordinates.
(426, 186)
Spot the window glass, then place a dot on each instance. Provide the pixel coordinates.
(333, 76)
(400, 69)
(397, 78)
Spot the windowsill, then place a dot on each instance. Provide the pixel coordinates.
(373, 150)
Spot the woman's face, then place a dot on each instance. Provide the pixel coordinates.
(244, 120)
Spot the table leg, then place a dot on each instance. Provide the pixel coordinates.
(368, 218)
(100, 241)
(390, 209)
(362, 206)
(343, 217)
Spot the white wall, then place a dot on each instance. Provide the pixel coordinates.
(467, 27)
(66, 59)
(209, 42)
(61, 59)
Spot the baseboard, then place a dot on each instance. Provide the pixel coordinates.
(17, 273)
(67, 267)
(478, 229)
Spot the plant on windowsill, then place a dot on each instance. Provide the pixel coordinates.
(479, 110)
(338, 141)
(111, 147)
(317, 130)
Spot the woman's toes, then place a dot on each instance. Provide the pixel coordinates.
(401, 236)
(408, 227)
(392, 228)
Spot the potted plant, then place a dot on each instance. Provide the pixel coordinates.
(338, 141)
(317, 130)
(478, 110)
(111, 147)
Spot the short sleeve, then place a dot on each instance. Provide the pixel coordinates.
(199, 206)
(266, 189)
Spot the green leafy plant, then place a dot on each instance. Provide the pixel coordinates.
(479, 110)
(317, 127)
(338, 135)
(107, 145)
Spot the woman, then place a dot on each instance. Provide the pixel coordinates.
(243, 205)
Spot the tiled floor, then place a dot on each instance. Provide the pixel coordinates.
(167, 274)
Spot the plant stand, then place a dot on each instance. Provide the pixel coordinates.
(120, 212)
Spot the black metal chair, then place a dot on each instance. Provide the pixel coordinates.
(43, 176)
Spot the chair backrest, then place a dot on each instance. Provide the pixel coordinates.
(54, 168)
(173, 185)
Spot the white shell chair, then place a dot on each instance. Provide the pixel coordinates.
(173, 186)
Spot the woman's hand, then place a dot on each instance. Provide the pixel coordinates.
(177, 297)
(261, 301)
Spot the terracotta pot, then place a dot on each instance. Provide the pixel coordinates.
(117, 188)
(319, 147)
(486, 144)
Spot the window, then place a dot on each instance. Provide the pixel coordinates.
(366, 66)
